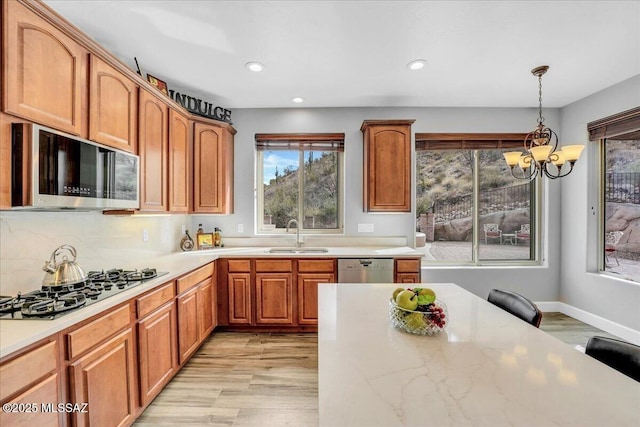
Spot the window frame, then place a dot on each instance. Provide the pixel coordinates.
(477, 142)
(302, 142)
(622, 126)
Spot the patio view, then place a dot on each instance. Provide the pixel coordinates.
(445, 207)
(622, 208)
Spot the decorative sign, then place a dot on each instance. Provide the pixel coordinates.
(200, 107)
(159, 84)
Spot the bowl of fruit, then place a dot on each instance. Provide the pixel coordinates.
(417, 311)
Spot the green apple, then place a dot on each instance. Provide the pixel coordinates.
(415, 320)
(407, 300)
(426, 296)
(396, 292)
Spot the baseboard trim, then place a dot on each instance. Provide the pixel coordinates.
(624, 332)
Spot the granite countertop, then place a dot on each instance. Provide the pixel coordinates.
(17, 334)
(487, 368)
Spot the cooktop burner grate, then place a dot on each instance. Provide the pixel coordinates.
(50, 302)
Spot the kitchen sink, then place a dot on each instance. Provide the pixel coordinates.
(293, 250)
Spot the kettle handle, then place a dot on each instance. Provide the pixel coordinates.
(51, 265)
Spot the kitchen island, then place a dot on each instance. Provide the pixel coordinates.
(487, 368)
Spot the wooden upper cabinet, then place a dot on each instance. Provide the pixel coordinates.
(45, 72)
(113, 107)
(179, 153)
(212, 169)
(387, 165)
(153, 150)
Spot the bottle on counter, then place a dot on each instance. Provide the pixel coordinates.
(186, 244)
(200, 229)
(217, 238)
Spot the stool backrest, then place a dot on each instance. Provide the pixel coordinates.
(517, 305)
(620, 355)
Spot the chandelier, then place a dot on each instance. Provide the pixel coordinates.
(541, 153)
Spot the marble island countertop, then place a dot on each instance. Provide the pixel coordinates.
(487, 368)
(17, 334)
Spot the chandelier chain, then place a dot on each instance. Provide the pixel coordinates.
(540, 118)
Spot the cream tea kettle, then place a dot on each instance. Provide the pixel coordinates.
(65, 272)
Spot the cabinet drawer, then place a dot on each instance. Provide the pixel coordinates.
(28, 368)
(239, 266)
(269, 265)
(407, 265)
(97, 331)
(195, 277)
(146, 304)
(316, 266)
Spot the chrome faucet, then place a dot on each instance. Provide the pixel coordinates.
(291, 221)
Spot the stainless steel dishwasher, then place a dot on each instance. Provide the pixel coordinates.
(368, 270)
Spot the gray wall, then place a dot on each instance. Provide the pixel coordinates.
(581, 285)
(540, 283)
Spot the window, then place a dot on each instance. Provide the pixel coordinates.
(619, 136)
(300, 178)
(469, 206)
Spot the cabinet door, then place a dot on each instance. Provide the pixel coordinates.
(179, 177)
(205, 309)
(105, 379)
(239, 290)
(42, 394)
(212, 169)
(308, 295)
(188, 338)
(387, 165)
(157, 352)
(153, 153)
(113, 107)
(45, 72)
(274, 298)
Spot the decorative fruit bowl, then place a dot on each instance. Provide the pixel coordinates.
(428, 322)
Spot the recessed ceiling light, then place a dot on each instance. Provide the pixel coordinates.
(298, 100)
(256, 67)
(417, 64)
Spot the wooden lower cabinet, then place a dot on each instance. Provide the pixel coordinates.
(311, 273)
(43, 393)
(308, 295)
(32, 379)
(157, 352)
(188, 340)
(206, 312)
(239, 294)
(195, 317)
(105, 379)
(407, 270)
(274, 298)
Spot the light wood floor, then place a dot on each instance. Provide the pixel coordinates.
(241, 379)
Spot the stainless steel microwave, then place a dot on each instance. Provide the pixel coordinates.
(54, 170)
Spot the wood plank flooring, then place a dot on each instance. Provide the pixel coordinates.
(241, 379)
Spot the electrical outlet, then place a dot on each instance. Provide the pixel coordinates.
(145, 235)
(365, 228)
(183, 229)
(240, 228)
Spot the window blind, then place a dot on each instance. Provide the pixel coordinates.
(621, 126)
(469, 141)
(300, 141)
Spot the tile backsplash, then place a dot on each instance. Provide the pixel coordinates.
(27, 240)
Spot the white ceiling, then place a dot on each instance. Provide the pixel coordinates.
(354, 53)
